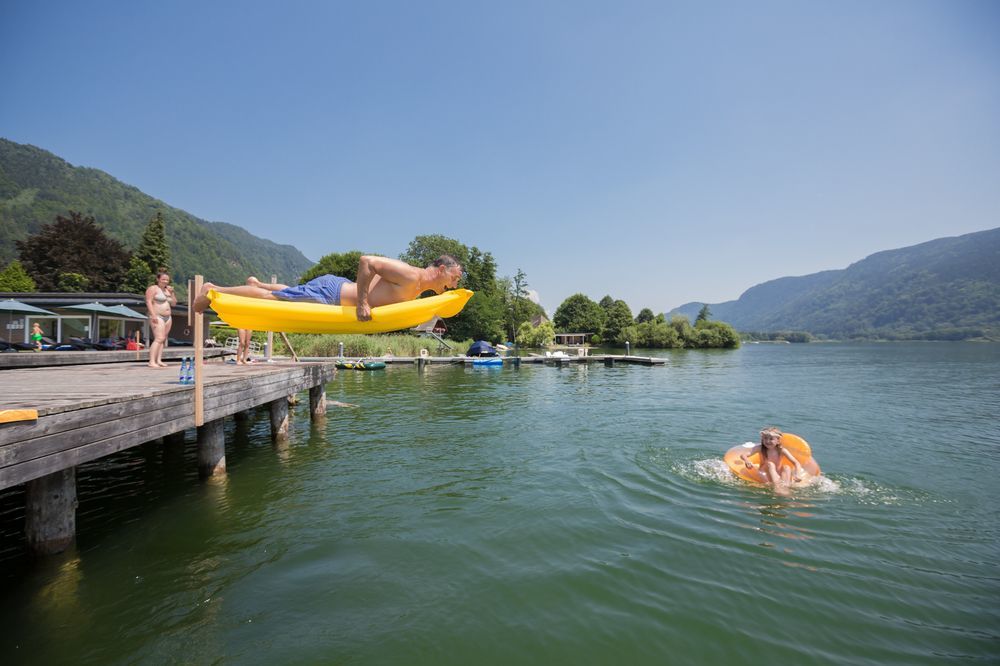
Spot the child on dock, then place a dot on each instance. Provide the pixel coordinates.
(36, 336)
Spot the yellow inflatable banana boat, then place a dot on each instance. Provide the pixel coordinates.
(298, 317)
(797, 446)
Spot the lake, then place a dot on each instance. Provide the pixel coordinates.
(545, 515)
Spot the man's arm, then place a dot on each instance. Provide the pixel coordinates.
(391, 270)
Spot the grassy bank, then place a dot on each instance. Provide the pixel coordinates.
(399, 344)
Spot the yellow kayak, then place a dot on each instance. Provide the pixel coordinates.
(297, 317)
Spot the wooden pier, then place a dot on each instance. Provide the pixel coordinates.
(85, 412)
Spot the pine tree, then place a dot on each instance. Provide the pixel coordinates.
(153, 249)
(15, 278)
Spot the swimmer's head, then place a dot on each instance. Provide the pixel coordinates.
(770, 435)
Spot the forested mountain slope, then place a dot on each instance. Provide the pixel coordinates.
(947, 288)
(36, 185)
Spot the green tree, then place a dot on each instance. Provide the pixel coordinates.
(15, 278)
(579, 314)
(606, 302)
(519, 308)
(703, 314)
(138, 277)
(153, 249)
(716, 334)
(685, 332)
(484, 316)
(72, 282)
(618, 319)
(344, 264)
(74, 244)
(644, 315)
(422, 250)
(536, 336)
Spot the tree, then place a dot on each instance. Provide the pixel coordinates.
(483, 318)
(703, 314)
(579, 314)
(422, 250)
(74, 245)
(72, 282)
(516, 295)
(138, 277)
(606, 302)
(685, 332)
(15, 278)
(536, 336)
(153, 250)
(344, 264)
(618, 318)
(716, 334)
(644, 315)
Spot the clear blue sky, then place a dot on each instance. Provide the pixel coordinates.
(660, 152)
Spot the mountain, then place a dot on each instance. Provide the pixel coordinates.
(36, 185)
(947, 288)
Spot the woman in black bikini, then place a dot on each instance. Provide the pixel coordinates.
(159, 299)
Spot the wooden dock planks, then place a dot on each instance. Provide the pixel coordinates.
(87, 412)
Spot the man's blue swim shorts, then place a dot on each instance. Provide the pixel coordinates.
(324, 289)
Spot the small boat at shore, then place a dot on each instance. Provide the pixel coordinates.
(360, 365)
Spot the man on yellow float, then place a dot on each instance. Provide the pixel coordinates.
(381, 281)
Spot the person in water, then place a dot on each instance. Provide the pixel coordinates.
(381, 281)
(770, 470)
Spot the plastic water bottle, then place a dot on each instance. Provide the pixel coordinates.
(183, 372)
(189, 375)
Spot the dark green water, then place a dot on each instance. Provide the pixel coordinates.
(577, 515)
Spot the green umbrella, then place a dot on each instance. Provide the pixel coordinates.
(12, 306)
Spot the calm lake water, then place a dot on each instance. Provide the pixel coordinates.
(576, 515)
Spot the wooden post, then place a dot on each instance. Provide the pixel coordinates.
(242, 415)
(211, 449)
(50, 520)
(279, 419)
(290, 348)
(317, 401)
(199, 357)
(270, 334)
(609, 362)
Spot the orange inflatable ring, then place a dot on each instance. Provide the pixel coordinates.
(797, 446)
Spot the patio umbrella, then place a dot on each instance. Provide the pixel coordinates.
(12, 306)
(91, 307)
(126, 311)
(94, 309)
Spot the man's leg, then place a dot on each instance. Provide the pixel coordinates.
(247, 290)
(270, 286)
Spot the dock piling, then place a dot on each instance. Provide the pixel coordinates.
(279, 419)
(211, 449)
(50, 512)
(317, 401)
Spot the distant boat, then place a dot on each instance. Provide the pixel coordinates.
(487, 361)
(360, 365)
